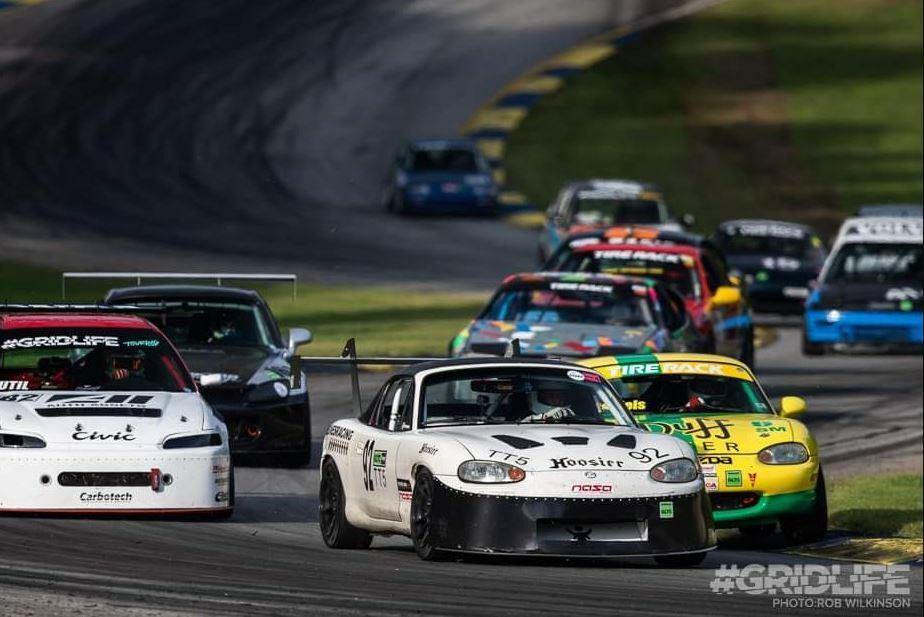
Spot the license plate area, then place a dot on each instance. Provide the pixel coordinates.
(584, 531)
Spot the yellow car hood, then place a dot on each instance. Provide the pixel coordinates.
(743, 433)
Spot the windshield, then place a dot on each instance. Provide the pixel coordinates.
(691, 394)
(877, 263)
(797, 248)
(90, 359)
(615, 211)
(614, 306)
(519, 396)
(449, 159)
(219, 324)
(676, 271)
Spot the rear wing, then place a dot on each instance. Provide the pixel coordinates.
(72, 308)
(349, 358)
(218, 277)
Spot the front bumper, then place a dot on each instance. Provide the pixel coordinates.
(277, 429)
(450, 203)
(864, 327)
(647, 526)
(767, 509)
(187, 483)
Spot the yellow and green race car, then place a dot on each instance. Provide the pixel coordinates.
(760, 466)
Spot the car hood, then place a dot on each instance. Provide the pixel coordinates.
(248, 364)
(724, 433)
(869, 296)
(775, 267)
(563, 447)
(119, 420)
(559, 339)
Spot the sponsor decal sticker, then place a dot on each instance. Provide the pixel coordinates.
(712, 483)
(428, 449)
(576, 375)
(666, 509)
(733, 478)
(62, 340)
(591, 488)
(7, 385)
(105, 497)
(341, 432)
(567, 463)
(752, 478)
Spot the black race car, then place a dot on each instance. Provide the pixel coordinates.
(235, 350)
(778, 261)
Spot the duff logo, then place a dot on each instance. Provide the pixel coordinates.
(592, 488)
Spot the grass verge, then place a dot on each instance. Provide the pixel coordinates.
(887, 505)
(384, 320)
(784, 109)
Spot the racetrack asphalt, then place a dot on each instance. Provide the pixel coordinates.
(270, 559)
(169, 130)
(258, 134)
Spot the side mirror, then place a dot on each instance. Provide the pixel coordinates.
(791, 406)
(726, 295)
(298, 337)
(688, 220)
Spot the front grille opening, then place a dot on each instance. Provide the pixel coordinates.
(734, 501)
(104, 478)
(99, 412)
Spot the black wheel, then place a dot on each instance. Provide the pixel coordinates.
(809, 348)
(747, 351)
(335, 528)
(422, 517)
(688, 560)
(809, 527)
(758, 531)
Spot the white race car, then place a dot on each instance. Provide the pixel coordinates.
(511, 456)
(98, 414)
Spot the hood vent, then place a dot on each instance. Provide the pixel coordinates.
(569, 440)
(520, 443)
(622, 441)
(99, 412)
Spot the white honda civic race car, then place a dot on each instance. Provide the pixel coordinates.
(98, 414)
(511, 456)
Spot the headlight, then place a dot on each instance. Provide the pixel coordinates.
(418, 189)
(677, 470)
(783, 454)
(20, 441)
(203, 440)
(268, 392)
(489, 472)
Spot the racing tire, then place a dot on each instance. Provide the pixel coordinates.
(336, 530)
(809, 348)
(809, 527)
(422, 517)
(688, 560)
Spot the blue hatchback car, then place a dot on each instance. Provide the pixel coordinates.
(441, 176)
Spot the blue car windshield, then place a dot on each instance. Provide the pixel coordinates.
(445, 160)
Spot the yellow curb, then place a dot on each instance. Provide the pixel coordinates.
(526, 220)
(511, 198)
(504, 118)
(582, 56)
(764, 337)
(538, 84)
(885, 551)
(492, 148)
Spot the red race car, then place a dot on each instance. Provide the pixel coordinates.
(694, 269)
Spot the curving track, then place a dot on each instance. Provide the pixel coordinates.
(264, 129)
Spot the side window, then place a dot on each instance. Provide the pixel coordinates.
(403, 405)
(379, 411)
(673, 315)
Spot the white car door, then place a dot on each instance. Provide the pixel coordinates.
(377, 451)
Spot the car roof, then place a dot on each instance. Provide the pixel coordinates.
(734, 223)
(614, 185)
(435, 144)
(450, 363)
(891, 210)
(643, 235)
(73, 320)
(180, 292)
(592, 278)
(678, 249)
(898, 229)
